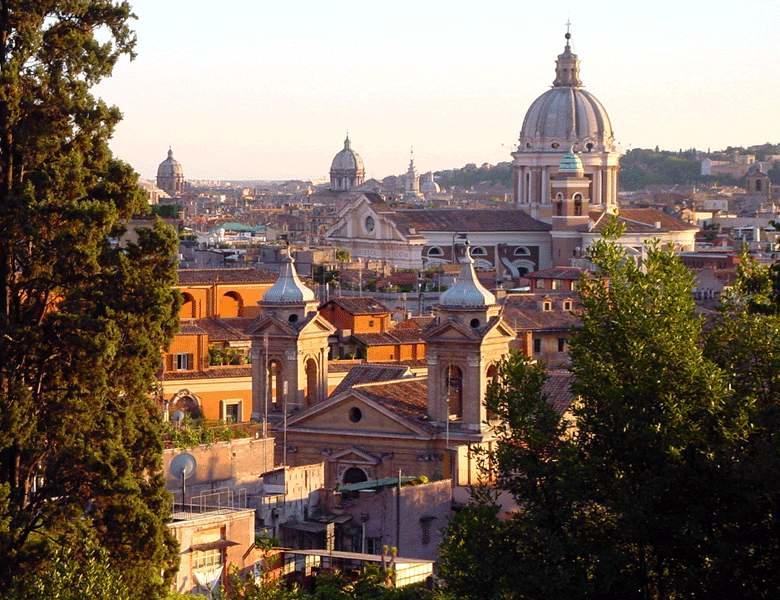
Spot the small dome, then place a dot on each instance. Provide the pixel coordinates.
(467, 292)
(288, 288)
(170, 167)
(571, 164)
(347, 160)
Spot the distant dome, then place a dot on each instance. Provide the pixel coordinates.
(288, 288)
(566, 114)
(467, 292)
(347, 170)
(428, 184)
(170, 175)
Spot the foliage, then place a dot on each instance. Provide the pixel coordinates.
(195, 432)
(665, 482)
(73, 573)
(370, 584)
(225, 356)
(82, 321)
(471, 175)
(168, 211)
(342, 255)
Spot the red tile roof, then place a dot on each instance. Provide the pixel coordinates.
(572, 273)
(557, 389)
(211, 276)
(368, 373)
(211, 373)
(359, 305)
(458, 219)
(406, 398)
(524, 313)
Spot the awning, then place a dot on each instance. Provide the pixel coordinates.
(216, 545)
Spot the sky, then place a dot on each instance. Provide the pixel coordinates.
(261, 89)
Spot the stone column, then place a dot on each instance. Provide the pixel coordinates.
(472, 394)
(596, 198)
(545, 187)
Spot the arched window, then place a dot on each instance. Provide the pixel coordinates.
(189, 307)
(578, 205)
(478, 251)
(521, 251)
(231, 305)
(435, 251)
(275, 385)
(454, 390)
(311, 381)
(492, 377)
(186, 403)
(758, 185)
(354, 475)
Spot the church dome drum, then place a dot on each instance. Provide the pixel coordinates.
(347, 169)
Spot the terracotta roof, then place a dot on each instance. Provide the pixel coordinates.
(211, 276)
(557, 389)
(457, 219)
(406, 398)
(643, 220)
(359, 305)
(211, 373)
(189, 328)
(573, 273)
(415, 323)
(367, 373)
(523, 312)
(226, 330)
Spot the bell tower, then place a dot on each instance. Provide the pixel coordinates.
(463, 350)
(289, 347)
(570, 199)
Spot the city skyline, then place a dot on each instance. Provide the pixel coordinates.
(268, 92)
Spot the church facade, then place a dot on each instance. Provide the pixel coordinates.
(565, 184)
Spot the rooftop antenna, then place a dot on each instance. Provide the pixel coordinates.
(182, 467)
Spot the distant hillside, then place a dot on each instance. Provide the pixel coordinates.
(639, 168)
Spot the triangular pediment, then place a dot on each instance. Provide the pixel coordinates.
(451, 330)
(336, 416)
(500, 330)
(354, 456)
(317, 325)
(271, 326)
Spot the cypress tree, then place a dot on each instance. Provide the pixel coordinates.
(82, 317)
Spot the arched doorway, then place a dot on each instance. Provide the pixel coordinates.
(454, 390)
(231, 305)
(311, 381)
(354, 475)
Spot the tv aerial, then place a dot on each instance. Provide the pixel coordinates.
(182, 467)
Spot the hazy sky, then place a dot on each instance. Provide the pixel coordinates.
(266, 89)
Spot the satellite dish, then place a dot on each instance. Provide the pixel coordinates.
(182, 467)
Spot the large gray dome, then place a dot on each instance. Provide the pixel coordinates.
(347, 160)
(170, 167)
(566, 115)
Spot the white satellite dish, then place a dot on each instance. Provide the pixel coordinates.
(182, 467)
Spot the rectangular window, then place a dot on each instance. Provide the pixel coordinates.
(540, 284)
(537, 346)
(371, 323)
(183, 361)
(556, 284)
(561, 344)
(547, 306)
(567, 305)
(232, 411)
(206, 559)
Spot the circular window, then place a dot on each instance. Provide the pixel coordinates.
(474, 323)
(292, 318)
(370, 224)
(556, 145)
(355, 414)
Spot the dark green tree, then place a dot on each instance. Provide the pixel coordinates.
(82, 317)
(634, 498)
